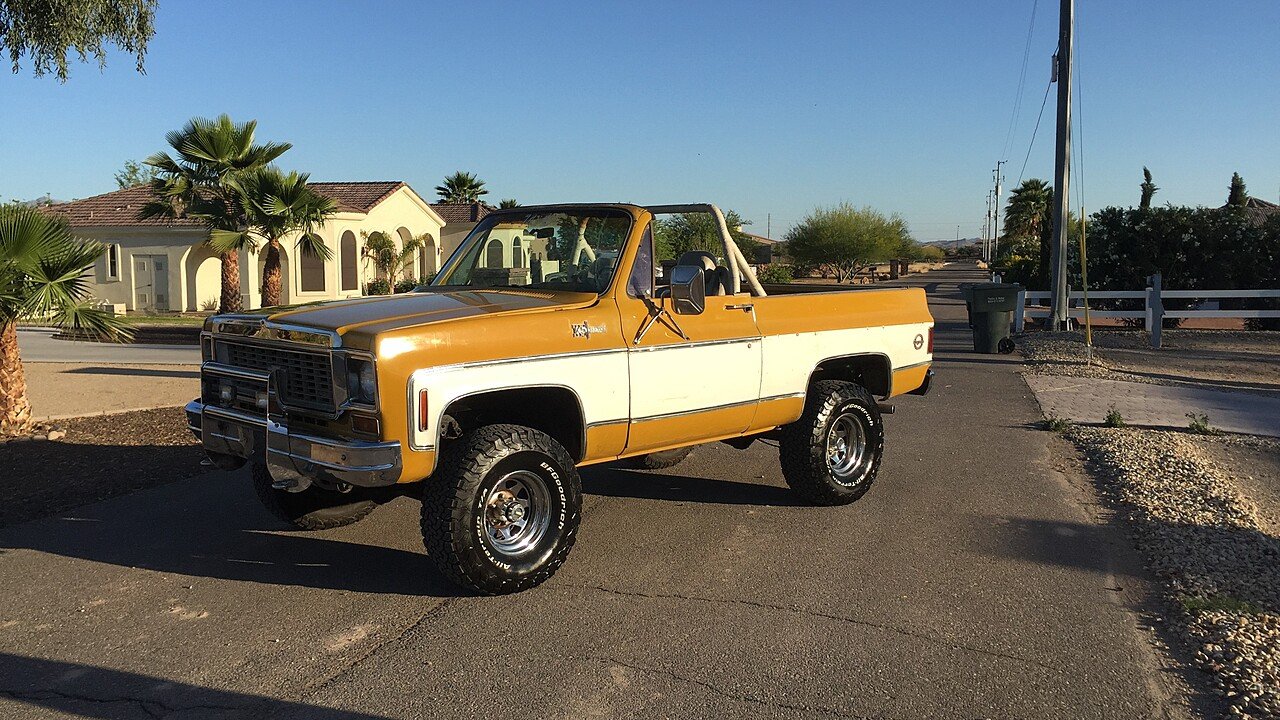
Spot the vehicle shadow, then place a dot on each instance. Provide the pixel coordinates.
(94, 692)
(212, 526)
(135, 372)
(613, 481)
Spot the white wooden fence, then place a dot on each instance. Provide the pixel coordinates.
(1034, 304)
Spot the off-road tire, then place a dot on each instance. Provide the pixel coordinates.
(455, 503)
(803, 447)
(314, 508)
(658, 460)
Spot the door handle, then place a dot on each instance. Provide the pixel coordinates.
(744, 307)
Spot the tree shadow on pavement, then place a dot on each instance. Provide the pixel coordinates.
(614, 481)
(212, 526)
(95, 692)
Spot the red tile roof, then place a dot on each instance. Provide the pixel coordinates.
(115, 209)
(461, 212)
(357, 196)
(120, 208)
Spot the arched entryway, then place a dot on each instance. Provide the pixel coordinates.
(430, 264)
(493, 254)
(409, 271)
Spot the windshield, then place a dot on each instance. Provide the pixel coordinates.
(572, 249)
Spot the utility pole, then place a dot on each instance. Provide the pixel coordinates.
(768, 225)
(995, 212)
(986, 231)
(1062, 170)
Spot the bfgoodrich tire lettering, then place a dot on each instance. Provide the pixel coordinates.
(502, 513)
(831, 455)
(314, 508)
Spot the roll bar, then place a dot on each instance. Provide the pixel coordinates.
(738, 265)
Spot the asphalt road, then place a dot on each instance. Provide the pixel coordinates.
(970, 582)
(38, 345)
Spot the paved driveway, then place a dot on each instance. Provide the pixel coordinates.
(968, 583)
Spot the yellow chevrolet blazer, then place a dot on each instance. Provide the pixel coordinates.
(554, 337)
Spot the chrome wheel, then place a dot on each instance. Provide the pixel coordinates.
(846, 447)
(517, 512)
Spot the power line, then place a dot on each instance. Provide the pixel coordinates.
(1034, 132)
(1022, 84)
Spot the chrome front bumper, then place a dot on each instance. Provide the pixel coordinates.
(293, 456)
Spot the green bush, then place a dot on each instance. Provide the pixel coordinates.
(377, 287)
(406, 285)
(773, 273)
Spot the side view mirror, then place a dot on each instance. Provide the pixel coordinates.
(688, 290)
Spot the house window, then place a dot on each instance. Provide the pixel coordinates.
(113, 262)
(348, 258)
(517, 253)
(493, 258)
(312, 272)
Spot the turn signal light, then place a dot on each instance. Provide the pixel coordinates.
(423, 414)
(364, 424)
(930, 341)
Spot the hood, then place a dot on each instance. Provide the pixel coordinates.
(369, 316)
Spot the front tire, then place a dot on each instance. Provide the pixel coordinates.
(831, 455)
(502, 512)
(312, 509)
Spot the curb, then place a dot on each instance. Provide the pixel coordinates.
(48, 418)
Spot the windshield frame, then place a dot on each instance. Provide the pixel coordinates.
(625, 251)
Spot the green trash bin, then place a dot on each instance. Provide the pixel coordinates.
(966, 292)
(993, 307)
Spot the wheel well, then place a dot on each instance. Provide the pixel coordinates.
(555, 411)
(873, 372)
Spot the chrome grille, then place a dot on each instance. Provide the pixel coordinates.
(302, 377)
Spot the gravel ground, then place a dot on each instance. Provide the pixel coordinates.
(1208, 545)
(1223, 360)
(100, 457)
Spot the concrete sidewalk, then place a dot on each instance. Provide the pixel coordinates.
(63, 390)
(1089, 400)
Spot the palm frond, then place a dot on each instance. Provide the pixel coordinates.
(83, 318)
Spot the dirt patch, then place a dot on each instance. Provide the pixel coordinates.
(1255, 468)
(100, 457)
(1223, 360)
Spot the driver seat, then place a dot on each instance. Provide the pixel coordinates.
(715, 278)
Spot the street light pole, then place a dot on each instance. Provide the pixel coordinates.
(1062, 170)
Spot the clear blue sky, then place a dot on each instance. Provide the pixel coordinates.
(763, 107)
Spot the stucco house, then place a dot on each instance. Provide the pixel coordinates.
(162, 265)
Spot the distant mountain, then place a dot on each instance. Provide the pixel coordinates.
(953, 244)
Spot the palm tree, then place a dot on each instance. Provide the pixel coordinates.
(461, 187)
(201, 182)
(1027, 210)
(1148, 189)
(387, 260)
(42, 275)
(275, 205)
(508, 203)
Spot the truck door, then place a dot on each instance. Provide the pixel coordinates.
(703, 385)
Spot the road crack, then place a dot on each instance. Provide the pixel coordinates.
(796, 609)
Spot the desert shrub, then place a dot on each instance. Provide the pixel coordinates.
(774, 273)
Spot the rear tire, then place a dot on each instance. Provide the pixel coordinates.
(314, 508)
(659, 460)
(831, 455)
(502, 512)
